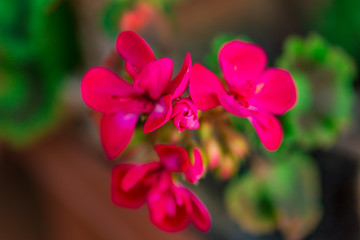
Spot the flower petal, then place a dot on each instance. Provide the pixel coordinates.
(155, 77)
(166, 212)
(131, 71)
(196, 170)
(160, 114)
(275, 91)
(116, 132)
(233, 107)
(204, 86)
(268, 129)
(136, 174)
(174, 158)
(179, 84)
(132, 198)
(103, 90)
(197, 211)
(134, 50)
(241, 62)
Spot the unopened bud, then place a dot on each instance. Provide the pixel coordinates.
(227, 167)
(185, 115)
(213, 152)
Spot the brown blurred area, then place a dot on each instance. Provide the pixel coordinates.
(59, 189)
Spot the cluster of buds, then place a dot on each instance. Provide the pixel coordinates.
(223, 147)
(153, 98)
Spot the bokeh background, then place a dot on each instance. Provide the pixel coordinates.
(54, 178)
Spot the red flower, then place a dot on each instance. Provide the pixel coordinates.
(171, 207)
(151, 93)
(252, 91)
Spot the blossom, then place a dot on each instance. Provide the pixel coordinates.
(171, 206)
(185, 115)
(152, 92)
(176, 159)
(138, 18)
(251, 90)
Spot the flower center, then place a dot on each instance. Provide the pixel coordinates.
(243, 94)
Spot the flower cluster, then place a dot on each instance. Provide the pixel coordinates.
(171, 206)
(251, 92)
(152, 92)
(151, 95)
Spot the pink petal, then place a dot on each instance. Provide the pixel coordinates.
(160, 114)
(232, 106)
(204, 87)
(275, 91)
(134, 50)
(179, 84)
(171, 206)
(103, 90)
(135, 105)
(177, 120)
(174, 158)
(175, 222)
(155, 77)
(165, 211)
(240, 62)
(182, 123)
(184, 105)
(116, 132)
(163, 183)
(197, 211)
(131, 70)
(132, 198)
(268, 129)
(136, 174)
(195, 171)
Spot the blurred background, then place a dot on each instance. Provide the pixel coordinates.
(54, 176)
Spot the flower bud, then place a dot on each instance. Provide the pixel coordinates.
(227, 167)
(213, 152)
(185, 115)
(237, 143)
(138, 18)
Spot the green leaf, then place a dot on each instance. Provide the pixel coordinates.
(283, 196)
(323, 75)
(248, 203)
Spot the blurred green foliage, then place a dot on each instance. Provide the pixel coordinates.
(38, 48)
(339, 22)
(324, 78)
(284, 196)
(112, 14)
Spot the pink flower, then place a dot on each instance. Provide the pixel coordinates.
(176, 159)
(151, 93)
(252, 91)
(171, 207)
(131, 183)
(185, 115)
